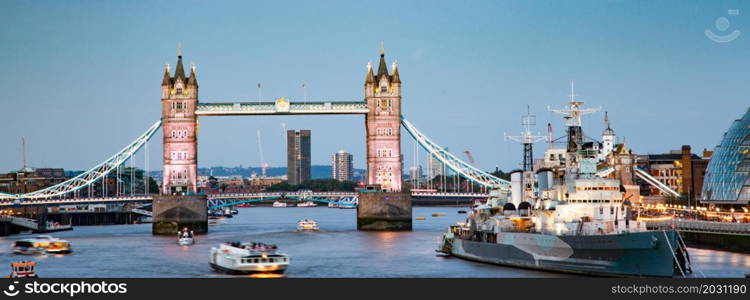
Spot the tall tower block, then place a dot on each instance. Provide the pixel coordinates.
(179, 98)
(383, 124)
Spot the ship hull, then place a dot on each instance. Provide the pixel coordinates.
(642, 254)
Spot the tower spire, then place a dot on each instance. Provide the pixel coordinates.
(382, 66)
(166, 80)
(193, 80)
(179, 72)
(394, 75)
(606, 119)
(370, 77)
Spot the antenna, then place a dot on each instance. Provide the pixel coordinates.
(527, 139)
(549, 135)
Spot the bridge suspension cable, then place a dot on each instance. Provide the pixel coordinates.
(454, 163)
(92, 175)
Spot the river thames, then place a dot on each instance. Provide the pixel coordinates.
(337, 250)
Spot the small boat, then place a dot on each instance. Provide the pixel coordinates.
(438, 214)
(248, 258)
(307, 204)
(461, 211)
(42, 244)
(185, 237)
(307, 225)
(234, 211)
(420, 218)
(22, 269)
(279, 204)
(220, 213)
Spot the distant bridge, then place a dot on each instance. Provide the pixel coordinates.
(215, 198)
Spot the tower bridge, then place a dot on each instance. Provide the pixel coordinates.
(383, 120)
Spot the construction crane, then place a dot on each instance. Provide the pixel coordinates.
(469, 186)
(283, 141)
(23, 153)
(263, 163)
(468, 155)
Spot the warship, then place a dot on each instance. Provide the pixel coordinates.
(569, 215)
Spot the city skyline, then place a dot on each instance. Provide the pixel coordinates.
(88, 102)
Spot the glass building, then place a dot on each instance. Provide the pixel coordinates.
(727, 180)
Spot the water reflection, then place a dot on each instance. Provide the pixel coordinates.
(266, 275)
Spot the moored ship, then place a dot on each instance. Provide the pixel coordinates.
(571, 215)
(593, 236)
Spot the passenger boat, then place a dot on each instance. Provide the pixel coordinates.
(307, 225)
(279, 204)
(42, 244)
(307, 204)
(22, 269)
(248, 258)
(185, 237)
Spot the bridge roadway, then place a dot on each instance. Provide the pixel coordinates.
(66, 201)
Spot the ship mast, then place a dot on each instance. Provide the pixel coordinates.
(527, 139)
(527, 192)
(572, 115)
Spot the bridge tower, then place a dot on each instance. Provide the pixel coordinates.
(179, 206)
(179, 98)
(388, 208)
(383, 124)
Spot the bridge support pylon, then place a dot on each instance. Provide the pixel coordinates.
(174, 212)
(384, 211)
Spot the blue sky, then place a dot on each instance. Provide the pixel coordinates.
(80, 79)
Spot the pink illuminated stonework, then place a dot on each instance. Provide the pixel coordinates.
(383, 124)
(179, 98)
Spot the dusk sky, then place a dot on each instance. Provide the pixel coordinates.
(81, 79)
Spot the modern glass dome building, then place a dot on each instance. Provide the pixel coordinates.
(727, 180)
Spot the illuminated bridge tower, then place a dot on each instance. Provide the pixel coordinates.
(390, 207)
(179, 206)
(179, 98)
(383, 124)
